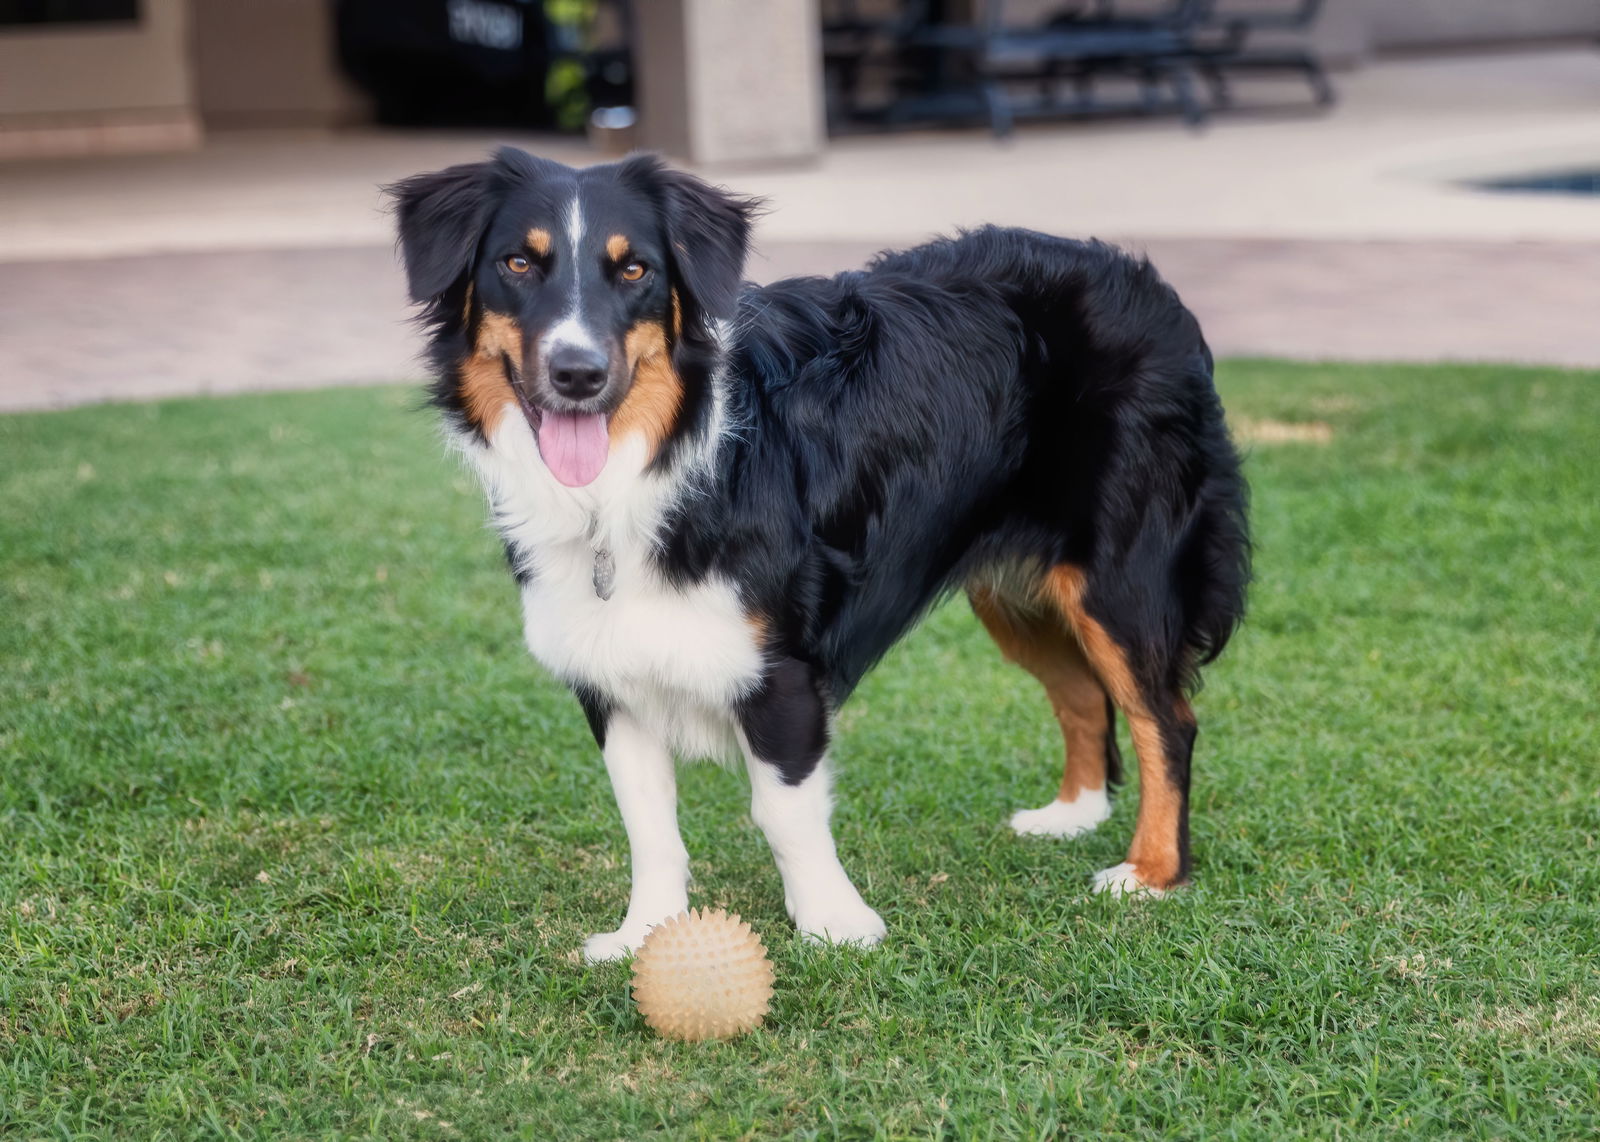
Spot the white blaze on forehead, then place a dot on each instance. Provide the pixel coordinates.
(571, 331)
(575, 222)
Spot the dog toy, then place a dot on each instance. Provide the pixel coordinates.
(703, 974)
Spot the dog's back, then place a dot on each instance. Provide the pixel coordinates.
(965, 411)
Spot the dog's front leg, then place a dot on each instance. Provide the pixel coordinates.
(646, 787)
(817, 891)
(784, 728)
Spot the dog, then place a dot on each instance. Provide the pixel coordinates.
(723, 503)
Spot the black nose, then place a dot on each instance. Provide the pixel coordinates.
(577, 373)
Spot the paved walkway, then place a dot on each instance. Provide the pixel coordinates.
(264, 260)
(72, 332)
(1387, 163)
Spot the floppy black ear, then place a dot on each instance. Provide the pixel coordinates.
(708, 230)
(441, 216)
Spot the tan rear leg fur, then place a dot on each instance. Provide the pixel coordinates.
(1041, 644)
(1157, 856)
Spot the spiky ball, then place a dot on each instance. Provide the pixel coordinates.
(703, 974)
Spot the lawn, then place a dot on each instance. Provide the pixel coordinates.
(300, 843)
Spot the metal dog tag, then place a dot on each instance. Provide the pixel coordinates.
(605, 572)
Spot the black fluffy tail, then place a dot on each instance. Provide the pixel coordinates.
(1213, 564)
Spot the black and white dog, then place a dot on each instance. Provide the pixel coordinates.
(724, 503)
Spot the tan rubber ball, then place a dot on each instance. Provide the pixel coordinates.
(703, 974)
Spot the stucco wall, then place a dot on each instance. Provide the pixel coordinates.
(730, 80)
(1425, 23)
(93, 69)
(263, 62)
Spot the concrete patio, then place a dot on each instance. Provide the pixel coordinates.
(264, 260)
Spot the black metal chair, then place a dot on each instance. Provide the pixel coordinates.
(1223, 45)
(990, 68)
(1074, 48)
(856, 44)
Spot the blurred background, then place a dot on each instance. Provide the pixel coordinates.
(189, 188)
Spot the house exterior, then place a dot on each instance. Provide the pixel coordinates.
(719, 80)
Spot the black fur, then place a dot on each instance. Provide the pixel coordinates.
(708, 234)
(786, 719)
(516, 562)
(997, 404)
(1179, 735)
(597, 710)
(1113, 752)
(1003, 398)
(441, 215)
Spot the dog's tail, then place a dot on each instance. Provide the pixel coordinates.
(1212, 568)
(1142, 374)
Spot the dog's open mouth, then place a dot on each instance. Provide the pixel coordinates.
(573, 445)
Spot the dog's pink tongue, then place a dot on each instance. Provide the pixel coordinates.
(573, 446)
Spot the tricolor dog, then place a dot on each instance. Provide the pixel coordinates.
(723, 503)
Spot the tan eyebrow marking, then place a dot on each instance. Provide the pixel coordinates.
(539, 241)
(617, 247)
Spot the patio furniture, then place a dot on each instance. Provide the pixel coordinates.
(939, 70)
(1224, 44)
(854, 44)
(993, 69)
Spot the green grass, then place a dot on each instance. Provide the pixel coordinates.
(299, 843)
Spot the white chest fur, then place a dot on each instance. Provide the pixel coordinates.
(676, 659)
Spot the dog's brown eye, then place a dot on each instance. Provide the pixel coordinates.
(633, 271)
(517, 264)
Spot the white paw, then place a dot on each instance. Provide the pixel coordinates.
(1064, 818)
(1121, 880)
(605, 947)
(846, 922)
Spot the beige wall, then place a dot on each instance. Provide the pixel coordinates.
(269, 62)
(96, 88)
(148, 85)
(1420, 23)
(98, 67)
(730, 80)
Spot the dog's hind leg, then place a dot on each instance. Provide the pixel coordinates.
(1038, 640)
(1146, 688)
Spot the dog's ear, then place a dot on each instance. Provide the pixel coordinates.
(708, 235)
(441, 216)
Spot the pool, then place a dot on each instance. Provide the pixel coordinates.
(1582, 181)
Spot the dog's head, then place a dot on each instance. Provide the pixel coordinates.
(574, 298)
